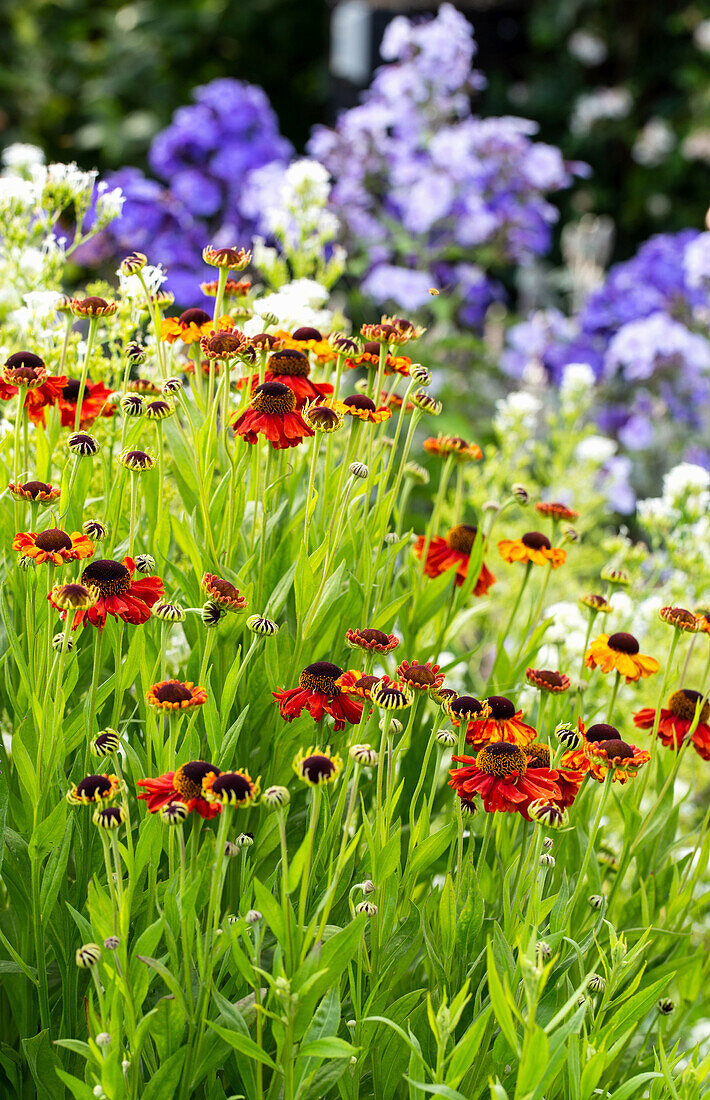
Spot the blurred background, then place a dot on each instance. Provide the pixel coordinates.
(626, 92)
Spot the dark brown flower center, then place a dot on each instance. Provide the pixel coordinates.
(24, 375)
(234, 784)
(70, 392)
(539, 755)
(617, 750)
(681, 616)
(274, 399)
(466, 706)
(462, 538)
(110, 577)
(263, 340)
(306, 333)
(623, 643)
(25, 359)
(157, 408)
(289, 361)
(369, 634)
(139, 459)
(419, 675)
(173, 692)
(548, 676)
(317, 768)
(34, 488)
(345, 345)
(321, 676)
(502, 759)
(365, 683)
(323, 416)
(53, 539)
(371, 348)
(225, 588)
(535, 540)
(187, 780)
(359, 401)
(501, 708)
(93, 786)
(683, 703)
(194, 316)
(92, 304)
(602, 731)
(225, 343)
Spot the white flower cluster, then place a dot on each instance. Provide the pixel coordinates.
(294, 211)
(298, 303)
(602, 105)
(678, 524)
(517, 414)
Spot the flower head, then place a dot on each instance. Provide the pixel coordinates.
(624, 760)
(426, 677)
(677, 717)
(444, 445)
(93, 306)
(189, 327)
(597, 604)
(315, 766)
(501, 721)
(93, 788)
(183, 786)
(361, 407)
(175, 695)
(109, 817)
(39, 492)
(272, 413)
(224, 343)
(234, 259)
(532, 548)
(319, 693)
(119, 594)
(105, 743)
(73, 597)
(53, 545)
(223, 592)
(680, 619)
(390, 694)
(370, 639)
(236, 788)
(556, 510)
(547, 679)
(620, 652)
(501, 776)
(453, 552)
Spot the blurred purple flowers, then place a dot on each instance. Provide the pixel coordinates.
(204, 157)
(419, 181)
(644, 333)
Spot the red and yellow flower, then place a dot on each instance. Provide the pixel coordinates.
(308, 339)
(175, 695)
(191, 326)
(620, 653)
(183, 785)
(624, 760)
(445, 445)
(119, 594)
(370, 357)
(235, 788)
(555, 510)
(357, 683)
(532, 548)
(502, 723)
(95, 402)
(292, 367)
(426, 677)
(39, 492)
(676, 719)
(363, 408)
(547, 679)
(272, 413)
(223, 592)
(53, 545)
(500, 774)
(93, 788)
(372, 640)
(318, 692)
(453, 551)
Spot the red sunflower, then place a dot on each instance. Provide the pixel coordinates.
(504, 723)
(183, 785)
(272, 413)
(319, 693)
(120, 595)
(677, 718)
(454, 550)
(292, 367)
(95, 403)
(501, 776)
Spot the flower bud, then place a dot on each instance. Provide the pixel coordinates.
(520, 493)
(145, 563)
(87, 955)
(420, 374)
(253, 916)
(363, 754)
(367, 907)
(259, 624)
(103, 1040)
(595, 983)
(446, 737)
(133, 263)
(276, 796)
(112, 943)
(547, 860)
(169, 612)
(58, 643)
(95, 530)
(211, 613)
(359, 469)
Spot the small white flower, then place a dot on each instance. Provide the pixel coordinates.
(595, 449)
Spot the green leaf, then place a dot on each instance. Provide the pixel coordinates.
(447, 917)
(466, 1049)
(500, 1004)
(330, 1046)
(43, 1064)
(532, 1063)
(429, 851)
(164, 1082)
(243, 1045)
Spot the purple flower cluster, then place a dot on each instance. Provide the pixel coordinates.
(204, 157)
(419, 181)
(643, 332)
